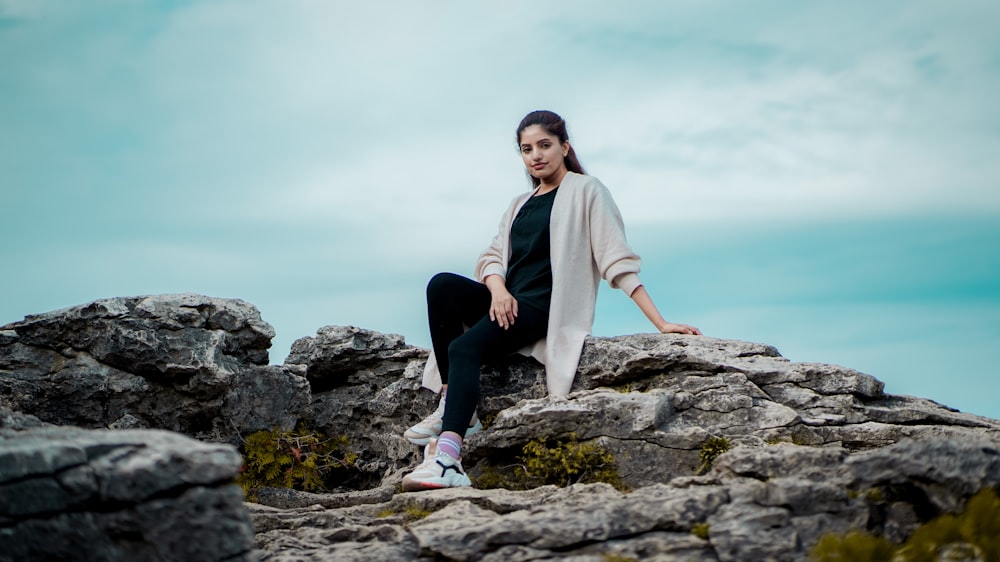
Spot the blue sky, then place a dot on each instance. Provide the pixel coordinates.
(823, 177)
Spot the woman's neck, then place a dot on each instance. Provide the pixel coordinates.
(548, 184)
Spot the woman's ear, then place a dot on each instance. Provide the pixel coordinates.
(565, 149)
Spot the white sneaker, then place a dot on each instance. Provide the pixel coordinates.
(439, 470)
(430, 427)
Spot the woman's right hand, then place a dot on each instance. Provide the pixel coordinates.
(503, 308)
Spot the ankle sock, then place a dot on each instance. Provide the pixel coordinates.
(450, 443)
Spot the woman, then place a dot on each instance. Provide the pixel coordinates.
(536, 292)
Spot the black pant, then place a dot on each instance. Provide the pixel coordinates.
(454, 302)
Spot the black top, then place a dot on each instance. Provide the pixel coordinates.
(529, 274)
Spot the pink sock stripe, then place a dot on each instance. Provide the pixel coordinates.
(450, 446)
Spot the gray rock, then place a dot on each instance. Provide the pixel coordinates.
(813, 448)
(185, 363)
(741, 532)
(167, 336)
(345, 355)
(365, 386)
(74, 494)
(937, 475)
(16, 421)
(810, 444)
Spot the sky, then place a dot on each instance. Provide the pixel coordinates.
(822, 177)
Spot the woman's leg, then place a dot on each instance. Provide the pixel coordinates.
(453, 302)
(484, 341)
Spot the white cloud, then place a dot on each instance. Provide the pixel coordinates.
(327, 142)
(685, 111)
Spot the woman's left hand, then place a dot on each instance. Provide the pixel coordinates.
(671, 328)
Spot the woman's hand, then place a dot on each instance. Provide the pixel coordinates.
(503, 308)
(671, 328)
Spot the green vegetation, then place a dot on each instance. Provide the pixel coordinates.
(609, 557)
(700, 530)
(410, 513)
(414, 513)
(568, 462)
(299, 459)
(554, 462)
(972, 535)
(853, 547)
(488, 419)
(710, 450)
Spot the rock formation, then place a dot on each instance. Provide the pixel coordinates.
(186, 363)
(76, 494)
(814, 448)
(766, 503)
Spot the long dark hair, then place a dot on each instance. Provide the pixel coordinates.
(553, 125)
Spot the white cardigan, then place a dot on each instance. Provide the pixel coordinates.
(587, 239)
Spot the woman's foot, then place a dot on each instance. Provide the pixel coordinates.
(430, 427)
(439, 470)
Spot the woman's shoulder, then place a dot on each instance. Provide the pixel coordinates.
(584, 183)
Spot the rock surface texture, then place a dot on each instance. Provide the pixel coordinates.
(813, 448)
(76, 494)
(186, 363)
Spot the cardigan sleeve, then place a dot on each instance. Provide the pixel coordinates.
(493, 260)
(615, 260)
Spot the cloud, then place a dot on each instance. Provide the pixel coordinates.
(687, 112)
(323, 159)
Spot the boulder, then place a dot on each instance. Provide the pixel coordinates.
(186, 363)
(76, 494)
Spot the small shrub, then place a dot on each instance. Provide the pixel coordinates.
(710, 450)
(853, 547)
(700, 530)
(414, 513)
(488, 419)
(977, 529)
(299, 459)
(410, 513)
(560, 463)
(972, 535)
(569, 462)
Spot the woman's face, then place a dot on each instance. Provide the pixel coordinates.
(543, 154)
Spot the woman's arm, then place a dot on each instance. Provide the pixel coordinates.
(618, 264)
(645, 304)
